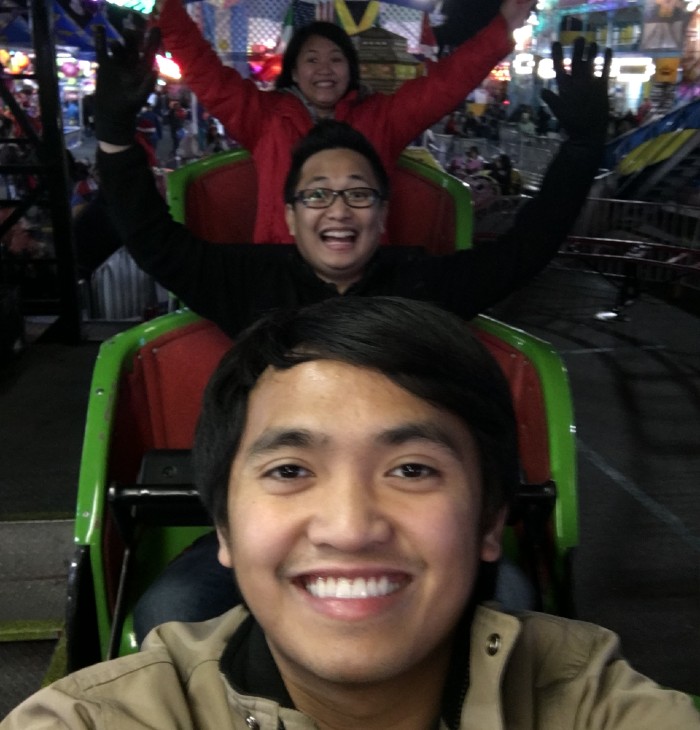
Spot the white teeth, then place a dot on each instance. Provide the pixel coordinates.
(338, 234)
(351, 587)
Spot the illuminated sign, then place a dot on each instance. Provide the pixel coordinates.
(623, 69)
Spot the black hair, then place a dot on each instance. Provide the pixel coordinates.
(329, 134)
(429, 352)
(335, 34)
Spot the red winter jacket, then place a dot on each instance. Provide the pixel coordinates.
(268, 123)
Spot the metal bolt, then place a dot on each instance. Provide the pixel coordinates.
(494, 644)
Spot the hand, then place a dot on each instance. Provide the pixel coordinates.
(156, 10)
(516, 12)
(125, 78)
(582, 103)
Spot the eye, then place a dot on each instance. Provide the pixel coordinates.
(359, 196)
(315, 196)
(413, 471)
(287, 471)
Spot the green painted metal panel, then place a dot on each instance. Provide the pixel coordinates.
(113, 357)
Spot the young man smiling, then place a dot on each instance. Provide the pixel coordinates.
(359, 486)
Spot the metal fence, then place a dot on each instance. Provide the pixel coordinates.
(531, 155)
(653, 242)
(664, 223)
(120, 290)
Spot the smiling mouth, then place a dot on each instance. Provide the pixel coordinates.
(340, 237)
(374, 587)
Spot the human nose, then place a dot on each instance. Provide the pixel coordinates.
(348, 515)
(325, 66)
(339, 206)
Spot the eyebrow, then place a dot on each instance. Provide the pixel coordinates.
(403, 433)
(280, 437)
(353, 176)
(421, 431)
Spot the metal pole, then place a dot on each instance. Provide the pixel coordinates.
(52, 156)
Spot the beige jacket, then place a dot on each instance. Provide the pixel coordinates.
(556, 674)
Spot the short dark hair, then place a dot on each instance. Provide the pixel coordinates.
(329, 134)
(427, 351)
(335, 34)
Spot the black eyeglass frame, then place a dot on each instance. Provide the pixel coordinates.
(302, 194)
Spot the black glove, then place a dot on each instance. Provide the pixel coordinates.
(582, 103)
(125, 78)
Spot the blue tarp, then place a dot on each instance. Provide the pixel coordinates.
(81, 38)
(686, 117)
(15, 32)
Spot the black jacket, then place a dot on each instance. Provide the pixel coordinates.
(232, 285)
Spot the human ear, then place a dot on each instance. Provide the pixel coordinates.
(290, 217)
(491, 540)
(224, 553)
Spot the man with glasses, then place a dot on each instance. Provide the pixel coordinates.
(336, 197)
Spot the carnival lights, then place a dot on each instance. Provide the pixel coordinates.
(633, 68)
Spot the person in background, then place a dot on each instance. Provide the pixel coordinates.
(452, 125)
(215, 141)
(501, 170)
(359, 487)
(321, 78)
(474, 162)
(176, 118)
(526, 125)
(467, 162)
(149, 131)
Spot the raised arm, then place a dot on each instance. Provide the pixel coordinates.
(236, 102)
(198, 272)
(479, 278)
(420, 103)
(125, 77)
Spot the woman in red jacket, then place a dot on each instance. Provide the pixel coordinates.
(320, 78)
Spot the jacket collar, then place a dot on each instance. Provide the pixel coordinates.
(486, 636)
(494, 635)
(249, 667)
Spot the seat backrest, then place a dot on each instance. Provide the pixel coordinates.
(170, 373)
(529, 406)
(216, 198)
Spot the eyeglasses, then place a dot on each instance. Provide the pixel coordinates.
(325, 197)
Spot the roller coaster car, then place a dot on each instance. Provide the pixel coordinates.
(137, 507)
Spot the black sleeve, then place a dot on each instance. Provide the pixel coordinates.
(218, 281)
(469, 282)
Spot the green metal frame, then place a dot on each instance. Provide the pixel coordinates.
(178, 180)
(114, 357)
(561, 429)
(459, 191)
